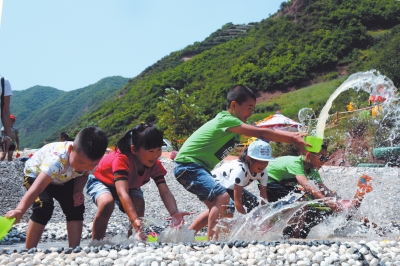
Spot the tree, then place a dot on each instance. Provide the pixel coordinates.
(179, 116)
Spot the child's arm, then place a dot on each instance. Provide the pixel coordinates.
(295, 138)
(79, 184)
(170, 203)
(17, 140)
(41, 182)
(303, 181)
(263, 194)
(238, 195)
(122, 188)
(326, 191)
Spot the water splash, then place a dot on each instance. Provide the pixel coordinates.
(176, 235)
(306, 118)
(371, 82)
(264, 223)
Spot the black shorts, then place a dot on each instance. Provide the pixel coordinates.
(276, 191)
(42, 208)
(10, 148)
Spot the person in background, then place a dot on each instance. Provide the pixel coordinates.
(65, 137)
(211, 143)
(14, 144)
(237, 174)
(5, 121)
(59, 171)
(122, 172)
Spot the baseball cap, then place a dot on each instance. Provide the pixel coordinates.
(260, 150)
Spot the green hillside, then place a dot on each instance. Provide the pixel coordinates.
(306, 42)
(317, 42)
(42, 111)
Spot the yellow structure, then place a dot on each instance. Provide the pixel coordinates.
(248, 142)
(350, 107)
(375, 110)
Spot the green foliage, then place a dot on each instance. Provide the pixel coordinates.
(386, 56)
(24, 102)
(179, 116)
(284, 149)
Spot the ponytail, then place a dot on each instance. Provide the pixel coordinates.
(242, 157)
(143, 135)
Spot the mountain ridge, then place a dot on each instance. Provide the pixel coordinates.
(42, 111)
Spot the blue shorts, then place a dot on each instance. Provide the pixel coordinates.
(198, 180)
(94, 188)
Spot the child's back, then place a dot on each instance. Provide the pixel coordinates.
(211, 143)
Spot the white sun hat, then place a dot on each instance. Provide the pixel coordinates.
(260, 150)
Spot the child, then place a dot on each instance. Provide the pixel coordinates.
(288, 173)
(59, 171)
(212, 142)
(14, 142)
(120, 175)
(236, 174)
(295, 173)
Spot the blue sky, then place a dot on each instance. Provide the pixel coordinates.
(72, 44)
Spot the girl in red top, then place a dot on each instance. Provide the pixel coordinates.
(120, 174)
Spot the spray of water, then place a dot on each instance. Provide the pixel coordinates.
(371, 82)
(264, 223)
(306, 117)
(176, 235)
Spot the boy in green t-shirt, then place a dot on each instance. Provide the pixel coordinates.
(211, 143)
(294, 173)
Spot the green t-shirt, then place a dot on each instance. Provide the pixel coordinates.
(284, 170)
(211, 143)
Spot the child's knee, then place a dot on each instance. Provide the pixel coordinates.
(75, 213)
(42, 214)
(225, 197)
(106, 208)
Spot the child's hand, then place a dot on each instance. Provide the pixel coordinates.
(79, 198)
(298, 140)
(177, 218)
(336, 207)
(137, 224)
(345, 203)
(17, 214)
